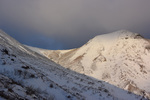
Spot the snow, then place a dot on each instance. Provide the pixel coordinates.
(38, 50)
(34, 76)
(120, 58)
(100, 45)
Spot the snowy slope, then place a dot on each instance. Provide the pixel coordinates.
(120, 58)
(25, 74)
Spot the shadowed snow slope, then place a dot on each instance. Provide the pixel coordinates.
(120, 58)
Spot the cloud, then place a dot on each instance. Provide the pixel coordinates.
(71, 23)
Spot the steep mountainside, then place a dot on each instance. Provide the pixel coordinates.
(27, 75)
(120, 58)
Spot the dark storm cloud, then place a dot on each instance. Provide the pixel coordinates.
(70, 23)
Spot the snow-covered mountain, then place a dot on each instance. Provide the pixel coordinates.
(120, 58)
(27, 75)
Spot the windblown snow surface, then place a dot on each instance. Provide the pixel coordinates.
(120, 58)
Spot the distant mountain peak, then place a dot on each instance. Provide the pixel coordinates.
(106, 41)
(121, 34)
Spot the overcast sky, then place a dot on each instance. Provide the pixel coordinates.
(65, 24)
